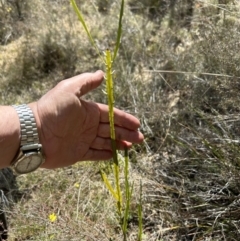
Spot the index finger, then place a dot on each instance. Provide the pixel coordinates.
(121, 118)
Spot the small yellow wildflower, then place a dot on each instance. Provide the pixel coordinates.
(76, 185)
(52, 217)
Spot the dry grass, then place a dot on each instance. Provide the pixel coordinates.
(180, 79)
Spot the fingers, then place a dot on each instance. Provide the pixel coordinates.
(106, 144)
(121, 134)
(121, 118)
(91, 81)
(83, 83)
(96, 154)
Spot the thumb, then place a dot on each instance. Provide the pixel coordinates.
(83, 83)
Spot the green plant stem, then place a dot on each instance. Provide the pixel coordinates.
(81, 19)
(128, 194)
(140, 225)
(109, 89)
(119, 33)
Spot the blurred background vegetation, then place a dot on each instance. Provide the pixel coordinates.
(178, 71)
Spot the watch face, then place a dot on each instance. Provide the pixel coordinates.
(29, 162)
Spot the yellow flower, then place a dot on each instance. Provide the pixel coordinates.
(52, 217)
(76, 185)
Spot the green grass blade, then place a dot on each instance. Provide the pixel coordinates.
(119, 33)
(108, 185)
(81, 19)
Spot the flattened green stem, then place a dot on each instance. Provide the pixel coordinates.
(109, 90)
(119, 33)
(128, 194)
(109, 85)
(140, 224)
(108, 185)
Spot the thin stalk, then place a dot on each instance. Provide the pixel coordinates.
(128, 194)
(184, 72)
(119, 33)
(108, 185)
(81, 19)
(140, 224)
(109, 90)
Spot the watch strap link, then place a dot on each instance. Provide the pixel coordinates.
(29, 133)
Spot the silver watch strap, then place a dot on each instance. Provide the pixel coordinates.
(29, 134)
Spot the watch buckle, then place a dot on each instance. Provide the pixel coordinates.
(31, 147)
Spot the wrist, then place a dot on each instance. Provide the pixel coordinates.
(9, 135)
(30, 156)
(34, 108)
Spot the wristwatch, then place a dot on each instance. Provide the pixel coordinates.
(30, 155)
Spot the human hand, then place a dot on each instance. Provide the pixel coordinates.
(72, 129)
